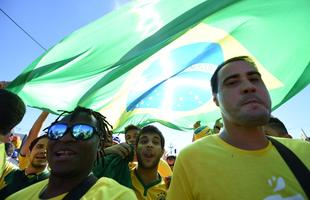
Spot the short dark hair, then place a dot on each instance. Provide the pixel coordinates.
(151, 129)
(276, 124)
(12, 110)
(131, 127)
(214, 78)
(35, 141)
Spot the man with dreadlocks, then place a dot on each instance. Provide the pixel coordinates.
(72, 149)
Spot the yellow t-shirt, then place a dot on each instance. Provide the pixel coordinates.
(163, 168)
(2, 158)
(152, 191)
(22, 162)
(104, 188)
(7, 169)
(213, 169)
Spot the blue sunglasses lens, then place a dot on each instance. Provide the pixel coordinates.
(79, 131)
(56, 131)
(82, 131)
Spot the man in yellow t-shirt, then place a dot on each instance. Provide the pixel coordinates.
(145, 178)
(240, 162)
(104, 188)
(146, 181)
(72, 149)
(131, 132)
(154, 190)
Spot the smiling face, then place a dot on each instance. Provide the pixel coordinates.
(149, 150)
(69, 157)
(38, 157)
(131, 136)
(242, 95)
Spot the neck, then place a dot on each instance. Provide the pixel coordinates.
(60, 185)
(147, 175)
(247, 138)
(135, 157)
(34, 170)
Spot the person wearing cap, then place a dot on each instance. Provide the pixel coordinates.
(171, 157)
(200, 131)
(115, 140)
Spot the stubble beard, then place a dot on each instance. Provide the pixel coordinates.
(143, 166)
(38, 165)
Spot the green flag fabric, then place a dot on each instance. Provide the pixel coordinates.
(152, 62)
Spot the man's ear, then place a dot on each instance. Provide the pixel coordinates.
(215, 100)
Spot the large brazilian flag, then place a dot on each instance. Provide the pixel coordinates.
(152, 61)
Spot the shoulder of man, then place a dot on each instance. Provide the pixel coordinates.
(300, 148)
(29, 192)
(7, 174)
(209, 140)
(294, 144)
(107, 188)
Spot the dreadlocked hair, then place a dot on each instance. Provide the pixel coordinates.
(103, 125)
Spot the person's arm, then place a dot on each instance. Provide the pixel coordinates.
(33, 134)
(122, 149)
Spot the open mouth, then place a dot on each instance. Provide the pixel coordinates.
(64, 154)
(40, 157)
(148, 155)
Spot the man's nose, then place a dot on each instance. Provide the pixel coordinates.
(248, 87)
(67, 137)
(149, 144)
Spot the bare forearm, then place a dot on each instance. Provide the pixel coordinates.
(34, 132)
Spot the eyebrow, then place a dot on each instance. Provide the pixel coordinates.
(156, 137)
(143, 136)
(238, 75)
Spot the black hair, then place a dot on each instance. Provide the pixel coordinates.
(103, 128)
(151, 129)
(214, 78)
(35, 141)
(7, 147)
(276, 124)
(131, 127)
(12, 110)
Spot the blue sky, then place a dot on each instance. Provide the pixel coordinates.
(49, 21)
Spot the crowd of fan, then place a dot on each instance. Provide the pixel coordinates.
(79, 157)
